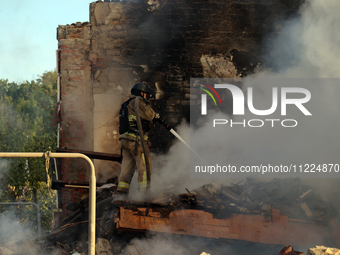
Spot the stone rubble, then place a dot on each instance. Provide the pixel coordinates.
(322, 250)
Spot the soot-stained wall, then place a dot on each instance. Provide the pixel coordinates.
(162, 43)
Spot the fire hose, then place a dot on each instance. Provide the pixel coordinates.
(141, 135)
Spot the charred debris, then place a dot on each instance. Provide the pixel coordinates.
(120, 221)
(250, 197)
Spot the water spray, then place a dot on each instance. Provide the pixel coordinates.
(172, 131)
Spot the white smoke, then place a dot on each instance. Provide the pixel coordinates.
(311, 42)
(154, 245)
(11, 230)
(15, 238)
(320, 30)
(182, 245)
(105, 130)
(4, 167)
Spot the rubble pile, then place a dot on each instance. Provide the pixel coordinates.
(258, 197)
(322, 250)
(290, 196)
(288, 250)
(71, 235)
(27, 247)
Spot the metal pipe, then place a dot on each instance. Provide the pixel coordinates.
(92, 182)
(27, 203)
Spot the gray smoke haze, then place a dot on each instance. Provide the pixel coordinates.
(11, 230)
(184, 245)
(105, 131)
(4, 168)
(154, 245)
(16, 239)
(310, 44)
(4, 164)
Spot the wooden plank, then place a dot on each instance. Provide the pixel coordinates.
(251, 228)
(94, 155)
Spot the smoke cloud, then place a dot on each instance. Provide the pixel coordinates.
(309, 46)
(184, 245)
(10, 229)
(105, 130)
(154, 245)
(16, 239)
(4, 168)
(4, 164)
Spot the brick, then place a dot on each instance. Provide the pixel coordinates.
(76, 67)
(105, 60)
(67, 51)
(75, 36)
(101, 65)
(73, 195)
(77, 78)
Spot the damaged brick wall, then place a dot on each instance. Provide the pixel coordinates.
(76, 115)
(163, 43)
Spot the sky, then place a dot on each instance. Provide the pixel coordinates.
(28, 41)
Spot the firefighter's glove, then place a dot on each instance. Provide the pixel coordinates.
(158, 118)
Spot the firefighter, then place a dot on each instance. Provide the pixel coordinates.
(133, 124)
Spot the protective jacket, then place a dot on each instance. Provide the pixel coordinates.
(147, 114)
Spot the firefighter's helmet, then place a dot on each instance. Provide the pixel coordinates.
(138, 88)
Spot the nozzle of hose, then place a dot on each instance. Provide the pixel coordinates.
(162, 121)
(166, 125)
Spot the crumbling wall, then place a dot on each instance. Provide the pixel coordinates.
(76, 113)
(163, 43)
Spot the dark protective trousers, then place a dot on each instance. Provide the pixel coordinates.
(131, 160)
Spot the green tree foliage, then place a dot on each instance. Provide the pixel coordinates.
(26, 125)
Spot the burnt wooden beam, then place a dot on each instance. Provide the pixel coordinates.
(94, 155)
